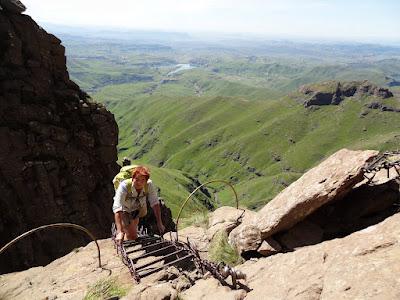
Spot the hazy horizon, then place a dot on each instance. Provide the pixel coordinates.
(340, 20)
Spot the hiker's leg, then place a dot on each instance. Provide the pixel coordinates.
(125, 221)
(131, 233)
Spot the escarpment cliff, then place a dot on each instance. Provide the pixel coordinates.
(333, 92)
(57, 151)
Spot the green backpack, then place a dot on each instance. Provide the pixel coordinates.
(124, 174)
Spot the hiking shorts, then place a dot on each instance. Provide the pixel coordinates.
(127, 217)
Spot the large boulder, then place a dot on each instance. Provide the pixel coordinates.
(211, 289)
(245, 238)
(226, 218)
(329, 181)
(363, 265)
(156, 291)
(196, 236)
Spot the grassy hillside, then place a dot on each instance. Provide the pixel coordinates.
(228, 115)
(174, 187)
(279, 76)
(261, 146)
(277, 66)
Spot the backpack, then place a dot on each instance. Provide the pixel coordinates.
(124, 174)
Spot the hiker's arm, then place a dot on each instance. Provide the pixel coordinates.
(119, 236)
(119, 198)
(118, 221)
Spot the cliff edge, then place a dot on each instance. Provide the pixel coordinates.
(58, 148)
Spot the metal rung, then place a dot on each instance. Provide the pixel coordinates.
(145, 247)
(152, 252)
(166, 265)
(184, 256)
(143, 238)
(159, 259)
(142, 243)
(140, 240)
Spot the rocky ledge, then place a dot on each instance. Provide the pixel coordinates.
(334, 92)
(329, 235)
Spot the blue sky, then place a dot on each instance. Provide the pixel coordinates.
(355, 20)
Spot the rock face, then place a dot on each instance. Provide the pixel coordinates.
(57, 150)
(226, 218)
(211, 289)
(159, 291)
(382, 107)
(363, 265)
(246, 238)
(12, 6)
(360, 259)
(331, 180)
(68, 277)
(197, 236)
(333, 92)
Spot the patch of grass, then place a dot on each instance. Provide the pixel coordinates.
(197, 219)
(179, 297)
(105, 288)
(221, 251)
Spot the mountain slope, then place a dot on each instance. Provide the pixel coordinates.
(174, 186)
(261, 146)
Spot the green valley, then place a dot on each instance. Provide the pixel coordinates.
(231, 109)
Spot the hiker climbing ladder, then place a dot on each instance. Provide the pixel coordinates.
(150, 254)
